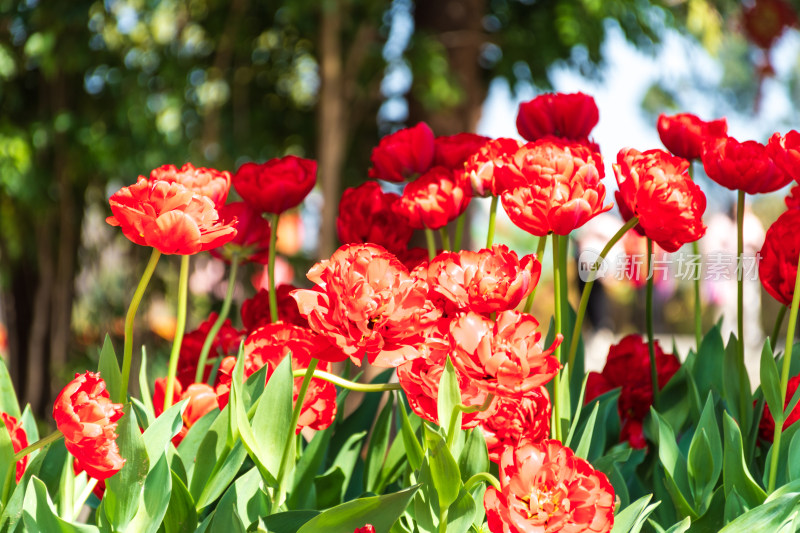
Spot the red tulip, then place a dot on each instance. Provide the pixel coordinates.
(202, 400)
(777, 267)
(434, 199)
(225, 343)
(766, 426)
(503, 356)
(85, 415)
(785, 152)
(792, 200)
(19, 440)
(655, 186)
(483, 165)
(168, 217)
(366, 215)
(403, 154)
(547, 488)
(252, 234)
(277, 185)
(568, 116)
(684, 134)
(526, 417)
(255, 310)
(453, 151)
(206, 181)
(742, 166)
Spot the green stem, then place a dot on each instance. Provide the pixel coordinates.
(273, 238)
(587, 289)
(298, 406)
(787, 364)
(223, 314)
(539, 253)
(492, 218)
(460, 223)
(698, 304)
(83, 496)
(778, 323)
(649, 319)
(183, 293)
(482, 476)
(445, 238)
(563, 251)
(557, 325)
(347, 384)
(443, 521)
(466, 409)
(429, 236)
(127, 356)
(41, 443)
(739, 274)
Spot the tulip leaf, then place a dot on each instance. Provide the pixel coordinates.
(181, 516)
(189, 446)
(769, 516)
(461, 513)
(158, 436)
(289, 521)
(576, 416)
(785, 461)
(449, 398)
(444, 469)
(376, 449)
(632, 518)
(224, 472)
(707, 365)
(736, 385)
(413, 447)
(793, 462)
(154, 499)
(380, 511)
(144, 388)
(123, 489)
(8, 398)
(474, 457)
(108, 366)
(39, 515)
(735, 472)
(7, 465)
(243, 498)
(345, 461)
(582, 450)
(273, 418)
(306, 469)
(771, 385)
(701, 480)
(675, 467)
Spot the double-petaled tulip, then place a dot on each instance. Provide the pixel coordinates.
(255, 310)
(84, 413)
(403, 154)
(202, 400)
(684, 134)
(777, 268)
(366, 215)
(169, 217)
(252, 234)
(546, 488)
(225, 343)
(792, 199)
(517, 418)
(766, 426)
(568, 116)
(558, 187)
(369, 528)
(365, 301)
(277, 185)
(209, 182)
(503, 356)
(19, 440)
(452, 151)
(655, 186)
(628, 367)
(785, 151)
(434, 199)
(487, 281)
(742, 166)
(483, 165)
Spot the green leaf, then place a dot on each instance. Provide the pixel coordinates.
(413, 448)
(122, 489)
(474, 457)
(769, 516)
(461, 513)
(674, 464)
(632, 518)
(144, 388)
(771, 384)
(449, 398)
(380, 511)
(582, 450)
(108, 366)
(307, 468)
(785, 458)
(376, 449)
(793, 463)
(7, 465)
(243, 498)
(158, 436)
(154, 499)
(735, 472)
(224, 473)
(210, 454)
(345, 461)
(564, 394)
(188, 448)
(272, 419)
(736, 385)
(330, 487)
(700, 475)
(707, 365)
(8, 398)
(578, 410)
(39, 515)
(289, 522)
(181, 516)
(444, 470)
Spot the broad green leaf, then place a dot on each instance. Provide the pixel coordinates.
(785, 459)
(7, 465)
(474, 457)
(144, 387)
(346, 460)
(565, 400)
(244, 498)
(413, 448)
(607, 419)
(793, 463)
(122, 489)
(11, 514)
(444, 470)
(181, 516)
(735, 506)
(632, 518)
(582, 450)
(66, 490)
(449, 398)
(158, 436)
(222, 476)
(188, 448)
(154, 500)
(210, 454)
(330, 487)
(707, 365)
(376, 449)
(288, 522)
(461, 513)
(8, 398)
(39, 515)
(736, 385)
(735, 472)
(771, 384)
(307, 468)
(674, 464)
(700, 475)
(31, 428)
(578, 409)
(273, 417)
(108, 366)
(395, 463)
(681, 527)
(380, 511)
(769, 516)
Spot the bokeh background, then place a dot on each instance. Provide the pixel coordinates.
(95, 93)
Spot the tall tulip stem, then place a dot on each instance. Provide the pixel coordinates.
(445, 238)
(41, 443)
(127, 353)
(557, 327)
(698, 304)
(492, 219)
(223, 314)
(460, 223)
(431, 239)
(776, 330)
(183, 294)
(539, 253)
(649, 319)
(273, 238)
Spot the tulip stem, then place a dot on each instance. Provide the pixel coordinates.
(787, 364)
(587, 289)
(273, 238)
(445, 238)
(492, 218)
(183, 293)
(347, 384)
(127, 353)
(778, 323)
(739, 274)
(41, 443)
(466, 409)
(223, 314)
(539, 253)
(557, 329)
(460, 222)
(482, 476)
(431, 238)
(649, 320)
(698, 304)
(83, 496)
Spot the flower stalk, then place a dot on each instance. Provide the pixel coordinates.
(41, 443)
(273, 238)
(649, 319)
(557, 327)
(223, 314)
(183, 294)
(347, 384)
(492, 220)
